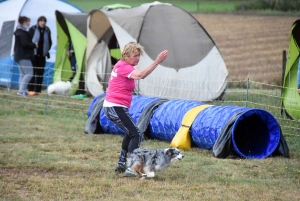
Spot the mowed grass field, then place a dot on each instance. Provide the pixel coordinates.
(189, 5)
(251, 46)
(45, 155)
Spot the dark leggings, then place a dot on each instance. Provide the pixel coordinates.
(121, 117)
(36, 81)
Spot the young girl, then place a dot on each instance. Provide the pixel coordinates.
(23, 53)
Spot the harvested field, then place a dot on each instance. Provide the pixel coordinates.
(250, 45)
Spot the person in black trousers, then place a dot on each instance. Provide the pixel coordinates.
(74, 67)
(72, 58)
(41, 35)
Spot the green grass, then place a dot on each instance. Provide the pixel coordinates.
(200, 6)
(217, 6)
(190, 6)
(45, 155)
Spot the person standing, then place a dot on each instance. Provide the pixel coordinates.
(74, 66)
(119, 95)
(41, 35)
(24, 53)
(72, 58)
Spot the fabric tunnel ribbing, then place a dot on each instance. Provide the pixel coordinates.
(250, 133)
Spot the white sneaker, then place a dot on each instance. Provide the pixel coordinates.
(24, 94)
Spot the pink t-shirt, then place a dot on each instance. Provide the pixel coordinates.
(120, 86)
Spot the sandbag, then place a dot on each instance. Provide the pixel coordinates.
(182, 138)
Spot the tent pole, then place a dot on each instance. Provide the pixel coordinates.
(247, 90)
(46, 106)
(283, 66)
(138, 92)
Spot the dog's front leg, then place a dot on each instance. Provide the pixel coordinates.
(139, 170)
(149, 172)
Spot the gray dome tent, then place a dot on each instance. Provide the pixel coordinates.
(194, 69)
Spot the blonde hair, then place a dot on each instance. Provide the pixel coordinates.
(131, 48)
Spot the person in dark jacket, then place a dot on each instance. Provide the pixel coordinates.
(72, 58)
(41, 35)
(74, 67)
(23, 54)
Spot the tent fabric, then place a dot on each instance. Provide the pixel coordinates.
(290, 97)
(116, 6)
(195, 46)
(9, 14)
(98, 62)
(62, 60)
(70, 27)
(78, 20)
(6, 39)
(194, 68)
(98, 58)
(296, 34)
(131, 20)
(6, 64)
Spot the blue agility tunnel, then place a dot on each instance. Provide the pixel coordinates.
(255, 133)
(138, 104)
(210, 122)
(251, 133)
(167, 118)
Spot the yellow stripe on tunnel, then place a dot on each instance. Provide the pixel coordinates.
(182, 138)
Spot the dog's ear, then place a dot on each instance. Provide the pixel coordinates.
(170, 151)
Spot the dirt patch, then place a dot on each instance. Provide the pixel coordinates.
(251, 46)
